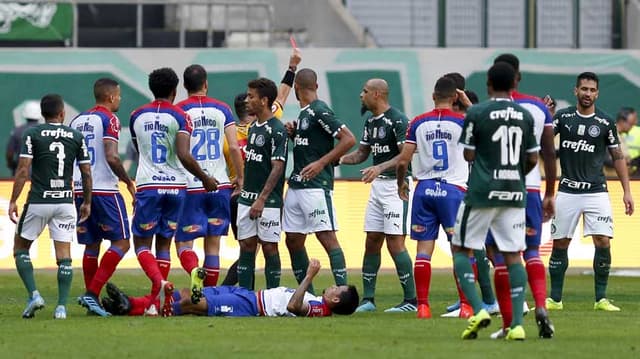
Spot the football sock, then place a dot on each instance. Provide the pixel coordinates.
(461, 296)
(150, 267)
(370, 267)
(484, 276)
(163, 258)
(89, 266)
(140, 304)
(25, 270)
(231, 278)
(518, 282)
(601, 265)
(188, 259)
(299, 264)
(65, 275)
(503, 293)
(422, 273)
(558, 264)
(272, 270)
(536, 276)
(108, 265)
(246, 269)
(338, 266)
(404, 268)
(467, 280)
(212, 269)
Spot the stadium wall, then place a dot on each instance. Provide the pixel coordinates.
(350, 201)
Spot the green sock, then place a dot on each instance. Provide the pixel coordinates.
(272, 270)
(370, 267)
(338, 266)
(467, 281)
(65, 275)
(484, 276)
(558, 264)
(25, 270)
(299, 264)
(601, 265)
(246, 269)
(517, 282)
(404, 268)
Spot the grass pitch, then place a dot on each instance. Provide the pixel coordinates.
(580, 331)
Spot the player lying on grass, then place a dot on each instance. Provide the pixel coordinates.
(228, 301)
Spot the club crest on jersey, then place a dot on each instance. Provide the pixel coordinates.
(260, 141)
(304, 123)
(594, 131)
(382, 133)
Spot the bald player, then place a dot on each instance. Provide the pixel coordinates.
(383, 136)
(308, 206)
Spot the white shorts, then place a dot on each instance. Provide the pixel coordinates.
(309, 210)
(60, 218)
(507, 225)
(595, 209)
(386, 212)
(267, 227)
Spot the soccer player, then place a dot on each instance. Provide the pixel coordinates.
(162, 135)
(228, 301)
(32, 117)
(442, 178)
(208, 213)
(498, 137)
(586, 133)
(50, 150)
(108, 220)
(245, 119)
(386, 214)
(260, 201)
(308, 206)
(537, 211)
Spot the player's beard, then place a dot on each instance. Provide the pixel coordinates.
(297, 95)
(586, 102)
(363, 109)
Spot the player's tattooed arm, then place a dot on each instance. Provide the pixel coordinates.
(620, 164)
(358, 156)
(616, 153)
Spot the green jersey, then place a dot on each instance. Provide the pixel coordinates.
(53, 149)
(384, 134)
(266, 142)
(501, 134)
(316, 128)
(584, 141)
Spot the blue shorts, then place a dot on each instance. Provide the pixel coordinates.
(435, 204)
(108, 219)
(230, 301)
(207, 213)
(157, 212)
(533, 221)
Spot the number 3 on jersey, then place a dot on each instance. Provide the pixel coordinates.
(209, 138)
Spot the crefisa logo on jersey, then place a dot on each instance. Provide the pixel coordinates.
(594, 131)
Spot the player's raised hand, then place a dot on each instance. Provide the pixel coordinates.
(13, 212)
(295, 58)
(550, 103)
(314, 267)
(370, 173)
(464, 99)
(85, 211)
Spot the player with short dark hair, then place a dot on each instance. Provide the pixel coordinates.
(228, 301)
(161, 133)
(586, 134)
(109, 219)
(385, 217)
(208, 214)
(498, 138)
(50, 150)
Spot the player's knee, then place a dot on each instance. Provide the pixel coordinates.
(562, 243)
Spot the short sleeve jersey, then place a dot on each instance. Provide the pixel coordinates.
(154, 127)
(384, 134)
(266, 142)
(584, 141)
(316, 128)
(209, 118)
(273, 303)
(436, 134)
(53, 148)
(97, 125)
(501, 134)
